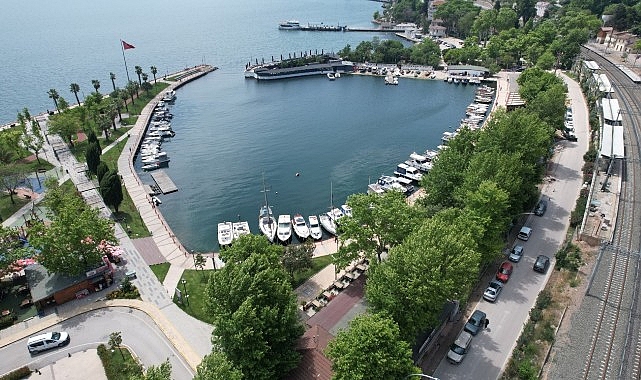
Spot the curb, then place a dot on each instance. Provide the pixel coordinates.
(180, 344)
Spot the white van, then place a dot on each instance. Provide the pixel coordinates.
(459, 348)
(47, 341)
(524, 233)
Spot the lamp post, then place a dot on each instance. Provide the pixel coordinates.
(184, 282)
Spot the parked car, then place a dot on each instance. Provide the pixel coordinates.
(476, 322)
(541, 264)
(524, 233)
(493, 290)
(516, 253)
(459, 348)
(540, 208)
(504, 272)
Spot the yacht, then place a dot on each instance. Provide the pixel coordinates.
(169, 96)
(284, 229)
(239, 229)
(327, 223)
(267, 223)
(300, 227)
(346, 210)
(289, 25)
(314, 228)
(225, 235)
(409, 172)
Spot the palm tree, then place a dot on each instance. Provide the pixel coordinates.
(131, 90)
(96, 84)
(139, 72)
(145, 76)
(145, 85)
(154, 71)
(53, 94)
(112, 76)
(74, 87)
(124, 95)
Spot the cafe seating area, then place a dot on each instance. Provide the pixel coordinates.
(344, 279)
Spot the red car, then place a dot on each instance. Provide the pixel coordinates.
(505, 270)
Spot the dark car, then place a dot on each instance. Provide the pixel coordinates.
(541, 264)
(475, 323)
(504, 272)
(540, 208)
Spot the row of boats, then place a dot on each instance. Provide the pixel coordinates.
(159, 129)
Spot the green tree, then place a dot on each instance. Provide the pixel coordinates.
(441, 254)
(115, 340)
(254, 309)
(216, 366)
(31, 137)
(96, 84)
(139, 73)
(154, 71)
(11, 176)
(11, 247)
(92, 154)
(371, 348)
(53, 94)
(112, 77)
(124, 96)
(111, 189)
(10, 148)
(62, 103)
(426, 52)
(66, 125)
(379, 222)
(101, 170)
(298, 257)
(75, 88)
(161, 372)
(199, 261)
(132, 89)
(69, 244)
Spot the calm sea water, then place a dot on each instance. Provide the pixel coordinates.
(232, 131)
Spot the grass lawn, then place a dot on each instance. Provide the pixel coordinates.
(160, 270)
(119, 364)
(196, 282)
(7, 208)
(318, 263)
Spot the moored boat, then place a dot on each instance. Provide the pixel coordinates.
(284, 229)
(225, 235)
(331, 76)
(300, 227)
(266, 220)
(239, 229)
(327, 223)
(289, 25)
(314, 228)
(346, 210)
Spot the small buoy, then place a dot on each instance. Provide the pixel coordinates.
(297, 174)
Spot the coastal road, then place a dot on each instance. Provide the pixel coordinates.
(491, 348)
(138, 331)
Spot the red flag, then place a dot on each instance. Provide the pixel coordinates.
(126, 45)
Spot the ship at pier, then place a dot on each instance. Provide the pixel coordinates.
(318, 64)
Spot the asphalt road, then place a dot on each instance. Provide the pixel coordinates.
(88, 330)
(491, 348)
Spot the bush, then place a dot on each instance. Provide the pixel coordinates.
(7, 320)
(577, 214)
(544, 300)
(20, 373)
(569, 258)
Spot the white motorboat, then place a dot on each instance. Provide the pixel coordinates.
(335, 214)
(239, 229)
(150, 167)
(327, 223)
(284, 229)
(409, 172)
(300, 227)
(289, 25)
(169, 96)
(225, 235)
(331, 76)
(314, 228)
(346, 210)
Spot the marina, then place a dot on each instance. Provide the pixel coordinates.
(165, 184)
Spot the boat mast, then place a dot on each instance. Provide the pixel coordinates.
(266, 202)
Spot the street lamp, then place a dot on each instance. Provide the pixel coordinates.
(184, 282)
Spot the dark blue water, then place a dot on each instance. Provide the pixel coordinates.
(230, 130)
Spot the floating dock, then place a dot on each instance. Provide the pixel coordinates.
(163, 181)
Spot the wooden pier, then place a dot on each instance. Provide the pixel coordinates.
(163, 181)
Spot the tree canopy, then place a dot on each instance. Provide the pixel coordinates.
(371, 348)
(69, 245)
(254, 309)
(216, 366)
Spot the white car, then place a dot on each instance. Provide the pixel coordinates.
(493, 290)
(516, 253)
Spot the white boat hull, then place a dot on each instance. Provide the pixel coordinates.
(225, 234)
(314, 228)
(327, 223)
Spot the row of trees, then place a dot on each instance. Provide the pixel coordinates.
(108, 180)
(389, 51)
(436, 248)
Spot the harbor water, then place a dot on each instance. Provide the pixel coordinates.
(230, 131)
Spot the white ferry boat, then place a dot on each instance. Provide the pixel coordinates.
(289, 25)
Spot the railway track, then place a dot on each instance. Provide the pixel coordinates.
(614, 351)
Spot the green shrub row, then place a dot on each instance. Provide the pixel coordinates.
(115, 367)
(7, 320)
(20, 373)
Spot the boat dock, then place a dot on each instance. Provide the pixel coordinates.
(163, 181)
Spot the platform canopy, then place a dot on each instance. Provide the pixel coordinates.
(611, 111)
(612, 141)
(591, 65)
(603, 82)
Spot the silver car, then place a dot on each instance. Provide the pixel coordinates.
(516, 253)
(493, 290)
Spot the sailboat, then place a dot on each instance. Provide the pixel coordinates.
(327, 220)
(266, 220)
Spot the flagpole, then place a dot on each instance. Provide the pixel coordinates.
(125, 60)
